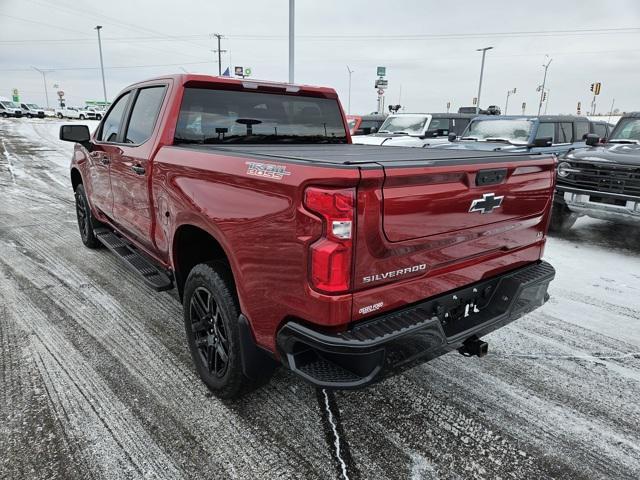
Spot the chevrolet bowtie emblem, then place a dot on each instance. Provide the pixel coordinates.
(486, 204)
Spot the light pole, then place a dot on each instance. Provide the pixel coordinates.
(546, 100)
(506, 104)
(44, 81)
(349, 101)
(291, 38)
(484, 52)
(544, 81)
(104, 85)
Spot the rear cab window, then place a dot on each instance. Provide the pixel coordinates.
(210, 116)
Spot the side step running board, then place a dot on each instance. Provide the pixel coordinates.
(154, 276)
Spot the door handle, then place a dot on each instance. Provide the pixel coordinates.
(138, 169)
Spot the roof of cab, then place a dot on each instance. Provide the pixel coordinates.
(249, 84)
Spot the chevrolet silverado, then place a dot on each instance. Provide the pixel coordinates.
(288, 245)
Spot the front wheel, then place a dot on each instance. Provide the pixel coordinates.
(562, 218)
(81, 117)
(85, 219)
(98, 117)
(211, 322)
(60, 116)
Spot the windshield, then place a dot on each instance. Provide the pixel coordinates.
(409, 124)
(224, 116)
(627, 129)
(513, 131)
(11, 104)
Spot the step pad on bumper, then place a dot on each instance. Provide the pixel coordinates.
(393, 341)
(152, 275)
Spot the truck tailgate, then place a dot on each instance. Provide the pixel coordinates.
(425, 229)
(421, 202)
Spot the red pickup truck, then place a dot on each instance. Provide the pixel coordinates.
(289, 245)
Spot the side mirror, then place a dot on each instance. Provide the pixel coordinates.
(452, 137)
(592, 139)
(542, 142)
(75, 133)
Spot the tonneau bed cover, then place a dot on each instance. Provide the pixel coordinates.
(350, 154)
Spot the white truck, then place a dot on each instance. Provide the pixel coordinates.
(416, 129)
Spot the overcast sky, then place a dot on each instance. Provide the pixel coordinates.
(428, 47)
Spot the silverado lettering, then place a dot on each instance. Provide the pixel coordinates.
(395, 273)
(272, 274)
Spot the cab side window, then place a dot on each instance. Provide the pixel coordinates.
(547, 129)
(565, 132)
(581, 129)
(111, 124)
(144, 114)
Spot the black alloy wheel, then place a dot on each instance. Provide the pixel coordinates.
(85, 219)
(210, 334)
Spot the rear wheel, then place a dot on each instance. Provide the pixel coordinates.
(60, 116)
(81, 117)
(211, 314)
(86, 221)
(29, 115)
(5, 115)
(562, 219)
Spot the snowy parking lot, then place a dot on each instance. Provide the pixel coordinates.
(96, 379)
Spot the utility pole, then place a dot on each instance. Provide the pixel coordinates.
(292, 5)
(44, 81)
(104, 85)
(506, 104)
(219, 51)
(484, 52)
(349, 101)
(544, 82)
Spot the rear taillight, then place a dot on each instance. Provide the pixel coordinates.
(330, 256)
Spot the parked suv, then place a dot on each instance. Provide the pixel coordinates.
(602, 181)
(413, 128)
(547, 134)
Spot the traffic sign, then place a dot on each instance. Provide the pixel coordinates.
(382, 83)
(579, 109)
(381, 71)
(239, 71)
(380, 91)
(475, 100)
(16, 95)
(247, 71)
(60, 93)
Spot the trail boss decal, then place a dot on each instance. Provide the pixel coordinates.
(267, 170)
(394, 273)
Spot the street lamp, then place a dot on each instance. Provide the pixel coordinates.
(506, 104)
(44, 81)
(349, 101)
(484, 52)
(104, 85)
(544, 81)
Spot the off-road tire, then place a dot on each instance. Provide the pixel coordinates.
(211, 312)
(86, 222)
